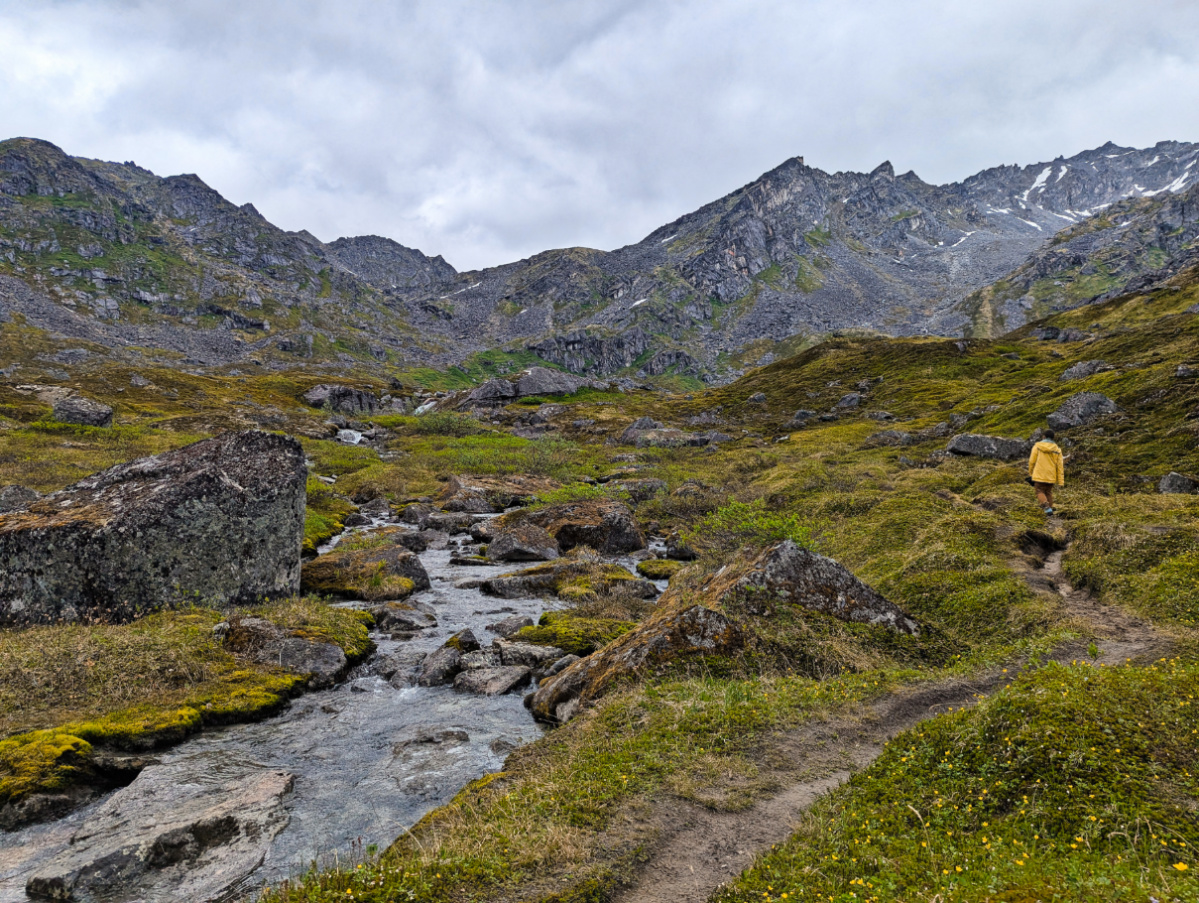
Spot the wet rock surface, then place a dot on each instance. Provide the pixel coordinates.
(195, 841)
(222, 518)
(522, 542)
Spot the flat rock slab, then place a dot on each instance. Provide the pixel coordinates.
(492, 681)
(161, 838)
(219, 521)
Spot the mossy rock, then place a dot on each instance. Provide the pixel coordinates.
(42, 761)
(658, 568)
(575, 635)
(375, 575)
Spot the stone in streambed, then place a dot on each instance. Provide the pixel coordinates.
(440, 667)
(220, 520)
(492, 681)
(264, 642)
(522, 542)
(508, 626)
(606, 525)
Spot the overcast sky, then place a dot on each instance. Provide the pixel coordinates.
(487, 131)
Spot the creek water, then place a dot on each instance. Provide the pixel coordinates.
(365, 769)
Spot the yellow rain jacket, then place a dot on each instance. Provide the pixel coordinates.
(1045, 463)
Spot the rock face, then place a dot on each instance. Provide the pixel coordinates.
(1081, 409)
(1083, 369)
(342, 399)
(375, 575)
(220, 520)
(785, 574)
(83, 411)
(522, 542)
(1175, 483)
(989, 447)
(160, 838)
(672, 634)
(606, 525)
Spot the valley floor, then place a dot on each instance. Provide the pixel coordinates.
(1032, 742)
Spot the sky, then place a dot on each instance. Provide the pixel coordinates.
(490, 130)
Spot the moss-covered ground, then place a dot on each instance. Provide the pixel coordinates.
(948, 539)
(69, 690)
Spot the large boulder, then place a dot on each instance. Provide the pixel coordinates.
(374, 575)
(543, 381)
(220, 521)
(496, 391)
(1081, 409)
(440, 667)
(674, 633)
(607, 525)
(975, 445)
(786, 574)
(522, 542)
(83, 411)
(341, 399)
(168, 836)
(491, 495)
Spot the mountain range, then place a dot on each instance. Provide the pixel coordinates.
(167, 269)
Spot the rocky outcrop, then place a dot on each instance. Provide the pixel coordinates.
(599, 355)
(83, 411)
(1081, 409)
(977, 446)
(649, 433)
(219, 521)
(786, 574)
(534, 381)
(568, 578)
(1175, 483)
(374, 575)
(342, 399)
(673, 634)
(605, 525)
(522, 542)
(491, 495)
(162, 838)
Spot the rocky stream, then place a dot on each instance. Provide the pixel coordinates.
(338, 772)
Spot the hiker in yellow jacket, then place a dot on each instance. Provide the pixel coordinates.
(1046, 470)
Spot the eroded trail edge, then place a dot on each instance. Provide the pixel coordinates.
(699, 849)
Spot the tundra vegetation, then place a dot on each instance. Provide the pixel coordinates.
(1069, 780)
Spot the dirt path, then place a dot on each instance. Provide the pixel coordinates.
(699, 849)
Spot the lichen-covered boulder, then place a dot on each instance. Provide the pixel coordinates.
(997, 447)
(605, 525)
(14, 498)
(374, 575)
(786, 574)
(342, 399)
(264, 642)
(522, 542)
(82, 411)
(672, 634)
(1081, 409)
(220, 521)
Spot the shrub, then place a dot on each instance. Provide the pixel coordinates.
(737, 524)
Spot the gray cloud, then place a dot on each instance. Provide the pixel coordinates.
(490, 131)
